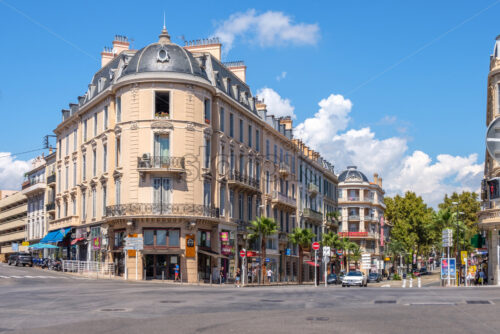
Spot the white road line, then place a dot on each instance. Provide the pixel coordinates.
(4, 277)
(16, 277)
(26, 276)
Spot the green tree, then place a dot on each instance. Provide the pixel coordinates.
(332, 240)
(356, 255)
(303, 238)
(395, 249)
(263, 228)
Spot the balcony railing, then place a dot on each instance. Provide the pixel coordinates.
(353, 234)
(51, 179)
(311, 214)
(50, 206)
(156, 209)
(283, 199)
(353, 217)
(353, 198)
(313, 189)
(284, 169)
(243, 179)
(161, 162)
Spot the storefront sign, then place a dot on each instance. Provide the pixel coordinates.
(25, 243)
(463, 256)
(252, 254)
(96, 243)
(190, 245)
(226, 249)
(15, 247)
(224, 236)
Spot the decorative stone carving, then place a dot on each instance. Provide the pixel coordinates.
(134, 126)
(162, 125)
(190, 126)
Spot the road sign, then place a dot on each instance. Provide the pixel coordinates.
(15, 247)
(463, 255)
(444, 267)
(326, 251)
(268, 259)
(25, 243)
(315, 245)
(242, 253)
(133, 243)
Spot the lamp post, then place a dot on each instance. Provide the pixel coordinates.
(259, 214)
(456, 248)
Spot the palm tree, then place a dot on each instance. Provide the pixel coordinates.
(302, 238)
(332, 240)
(356, 255)
(262, 228)
(394, 249)
(352, 247)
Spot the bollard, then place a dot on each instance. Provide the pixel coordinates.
(181, 277)
(144, 277)
(419, 283)
(411, 282)
(163, 276)
(125, 277)
(404, 283)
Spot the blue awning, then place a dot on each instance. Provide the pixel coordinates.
(55, 236)
(42, 246)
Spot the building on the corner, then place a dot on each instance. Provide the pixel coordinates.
(489, 217)
(362, 207)
(13, 211)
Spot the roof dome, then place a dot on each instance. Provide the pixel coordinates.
(352, 175)
(164, 56)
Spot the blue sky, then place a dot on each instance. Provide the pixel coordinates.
(433, 102)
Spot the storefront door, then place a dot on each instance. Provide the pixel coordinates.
(204, 266)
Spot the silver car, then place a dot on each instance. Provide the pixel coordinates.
(354, 278)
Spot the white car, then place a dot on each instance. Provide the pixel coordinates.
(354, 278)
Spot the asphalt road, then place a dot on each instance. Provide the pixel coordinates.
(41, 301)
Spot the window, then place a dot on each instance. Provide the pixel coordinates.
(104, 158)
(94, 203)
(257, 171)
(117, 191)
(94, 162)
(267, 182)
(95, 124)
(241, 130)
(250, 136)
(149, 237)
(65, 210)
(104, 199)
(162, 104)
(66, 177)
(162, 194)
(268, 153)
(222, 162)
(293, 191)
(118, 102)
(293, 164)
(105, 117)
(203, 238)
(250, 167)
(206, 108)
(275, 153)
(231, 125)
(240, 206)
(231, 160)
(74, 174)
(161, 237)
(84, 130)
(173, 238)
(119, 238)
(221, 119)
(242, 164)
(59, 181)
(257, 140)
(75, 140)
(60, 148)
(207, 189)
(231, 203)
(161, 147)
(249, 208)
(84, 213)
(498, 98)
(118, 152)
(222, 200)
(207, 153)
(281, 155)
(74, 205)
(67, 144)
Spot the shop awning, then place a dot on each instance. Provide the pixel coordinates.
(211, 253)
(311, 263)
(56, 236)
(42, 246)
(77, 240)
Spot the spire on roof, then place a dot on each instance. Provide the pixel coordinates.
(164, 36)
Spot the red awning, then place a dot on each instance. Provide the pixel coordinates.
(311, 263)
(74, 241)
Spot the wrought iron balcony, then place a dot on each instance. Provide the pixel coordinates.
(50, 206)
(353, 217)
(284, 169)
(51, 179)
(313, 189)
(148, 163)
(161, 209)
(312, 215)
(283, 200)
(243, 181)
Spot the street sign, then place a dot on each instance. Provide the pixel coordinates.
(25, 243)
(242, 253)
(315, 245)
(268, 259)
(15, 247)
(326, 251)
(288, 252)
(463, 255)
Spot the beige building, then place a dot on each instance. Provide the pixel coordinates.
(169, 145)
(13, 210)
(362, 208)
(489, 217)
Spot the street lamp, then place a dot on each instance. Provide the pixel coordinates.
(457, 250)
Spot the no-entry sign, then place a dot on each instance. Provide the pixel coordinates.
(315, 245)
(242, 253)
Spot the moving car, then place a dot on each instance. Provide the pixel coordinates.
(20, 259)
(334, 279)
(374, 278)
(354, 278)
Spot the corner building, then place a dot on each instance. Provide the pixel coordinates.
(169, 144)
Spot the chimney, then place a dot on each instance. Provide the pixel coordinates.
(287, 122)
(50, 150)
(375, 178)
(380, 182)
(238, 68)
(106, 56)
(210, 45)
(120, 44)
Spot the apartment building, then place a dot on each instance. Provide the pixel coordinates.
(362, 207)
(489, 217)
(13, 211)
(169, 145)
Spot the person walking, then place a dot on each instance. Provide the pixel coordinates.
(176, 272)
(269, 276)
(221, 275)
(238, 277)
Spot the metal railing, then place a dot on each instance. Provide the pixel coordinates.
(277, 196)
(50, 206)
(156, 162)
(353, 217)
(313, 188)
(243, 178)
(311, 214)
(51, 179)
(284, 168)
(353, 198)
(81, 267)
(138, 209)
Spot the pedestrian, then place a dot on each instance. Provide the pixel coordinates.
(238, 277)
(254, 274)
(481, 277)
(269, 275)
(221, 275)
(176, 272)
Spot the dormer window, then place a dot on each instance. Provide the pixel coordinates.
(162, 104)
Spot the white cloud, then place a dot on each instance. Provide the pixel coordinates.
(266, 29)
(276, 105)
(12, 171)
(327, 132)
(281, 76)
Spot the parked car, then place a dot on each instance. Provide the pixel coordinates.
(20, 259)
(423, 271)
(333, 279)
(355, 278)
(374, 278)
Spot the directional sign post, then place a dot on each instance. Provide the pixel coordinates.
(134, 243)
(243, 254)
(315, 246)
(326, 259)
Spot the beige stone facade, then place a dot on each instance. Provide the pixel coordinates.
(13, 210)
(169, 145)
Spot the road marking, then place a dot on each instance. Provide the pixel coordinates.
(4, 277)
(29, 276)
(16, 277)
